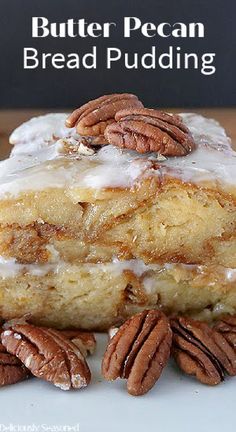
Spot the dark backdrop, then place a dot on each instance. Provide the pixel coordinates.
(61, 88)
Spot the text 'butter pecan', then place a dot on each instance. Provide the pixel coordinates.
(139, 351)
(148, 130)
(92, 118)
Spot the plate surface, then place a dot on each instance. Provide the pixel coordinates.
(177, 403)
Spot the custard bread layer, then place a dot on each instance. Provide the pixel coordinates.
(96, 296)
(151, 221)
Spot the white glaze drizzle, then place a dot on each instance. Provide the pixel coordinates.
(38, 161)
(10, 268)
(40, 131)
(213, 159)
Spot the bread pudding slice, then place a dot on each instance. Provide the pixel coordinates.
(91, 234)
(89, 208)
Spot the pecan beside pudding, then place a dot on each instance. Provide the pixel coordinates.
(202, 351)
(11, 368)
(48, 354)
(139, 351)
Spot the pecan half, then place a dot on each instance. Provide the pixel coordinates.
(148, 130)
(227, 327)
(139, 351)
(202, 351)
(11, 368)
(48, 354)
(85, 341)
(92, 118)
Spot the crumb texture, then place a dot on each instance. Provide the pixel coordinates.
(98, 296)
(151, 222)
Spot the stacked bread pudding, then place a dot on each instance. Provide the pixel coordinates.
(115, 209)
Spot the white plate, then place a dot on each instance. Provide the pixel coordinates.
(177, 403)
